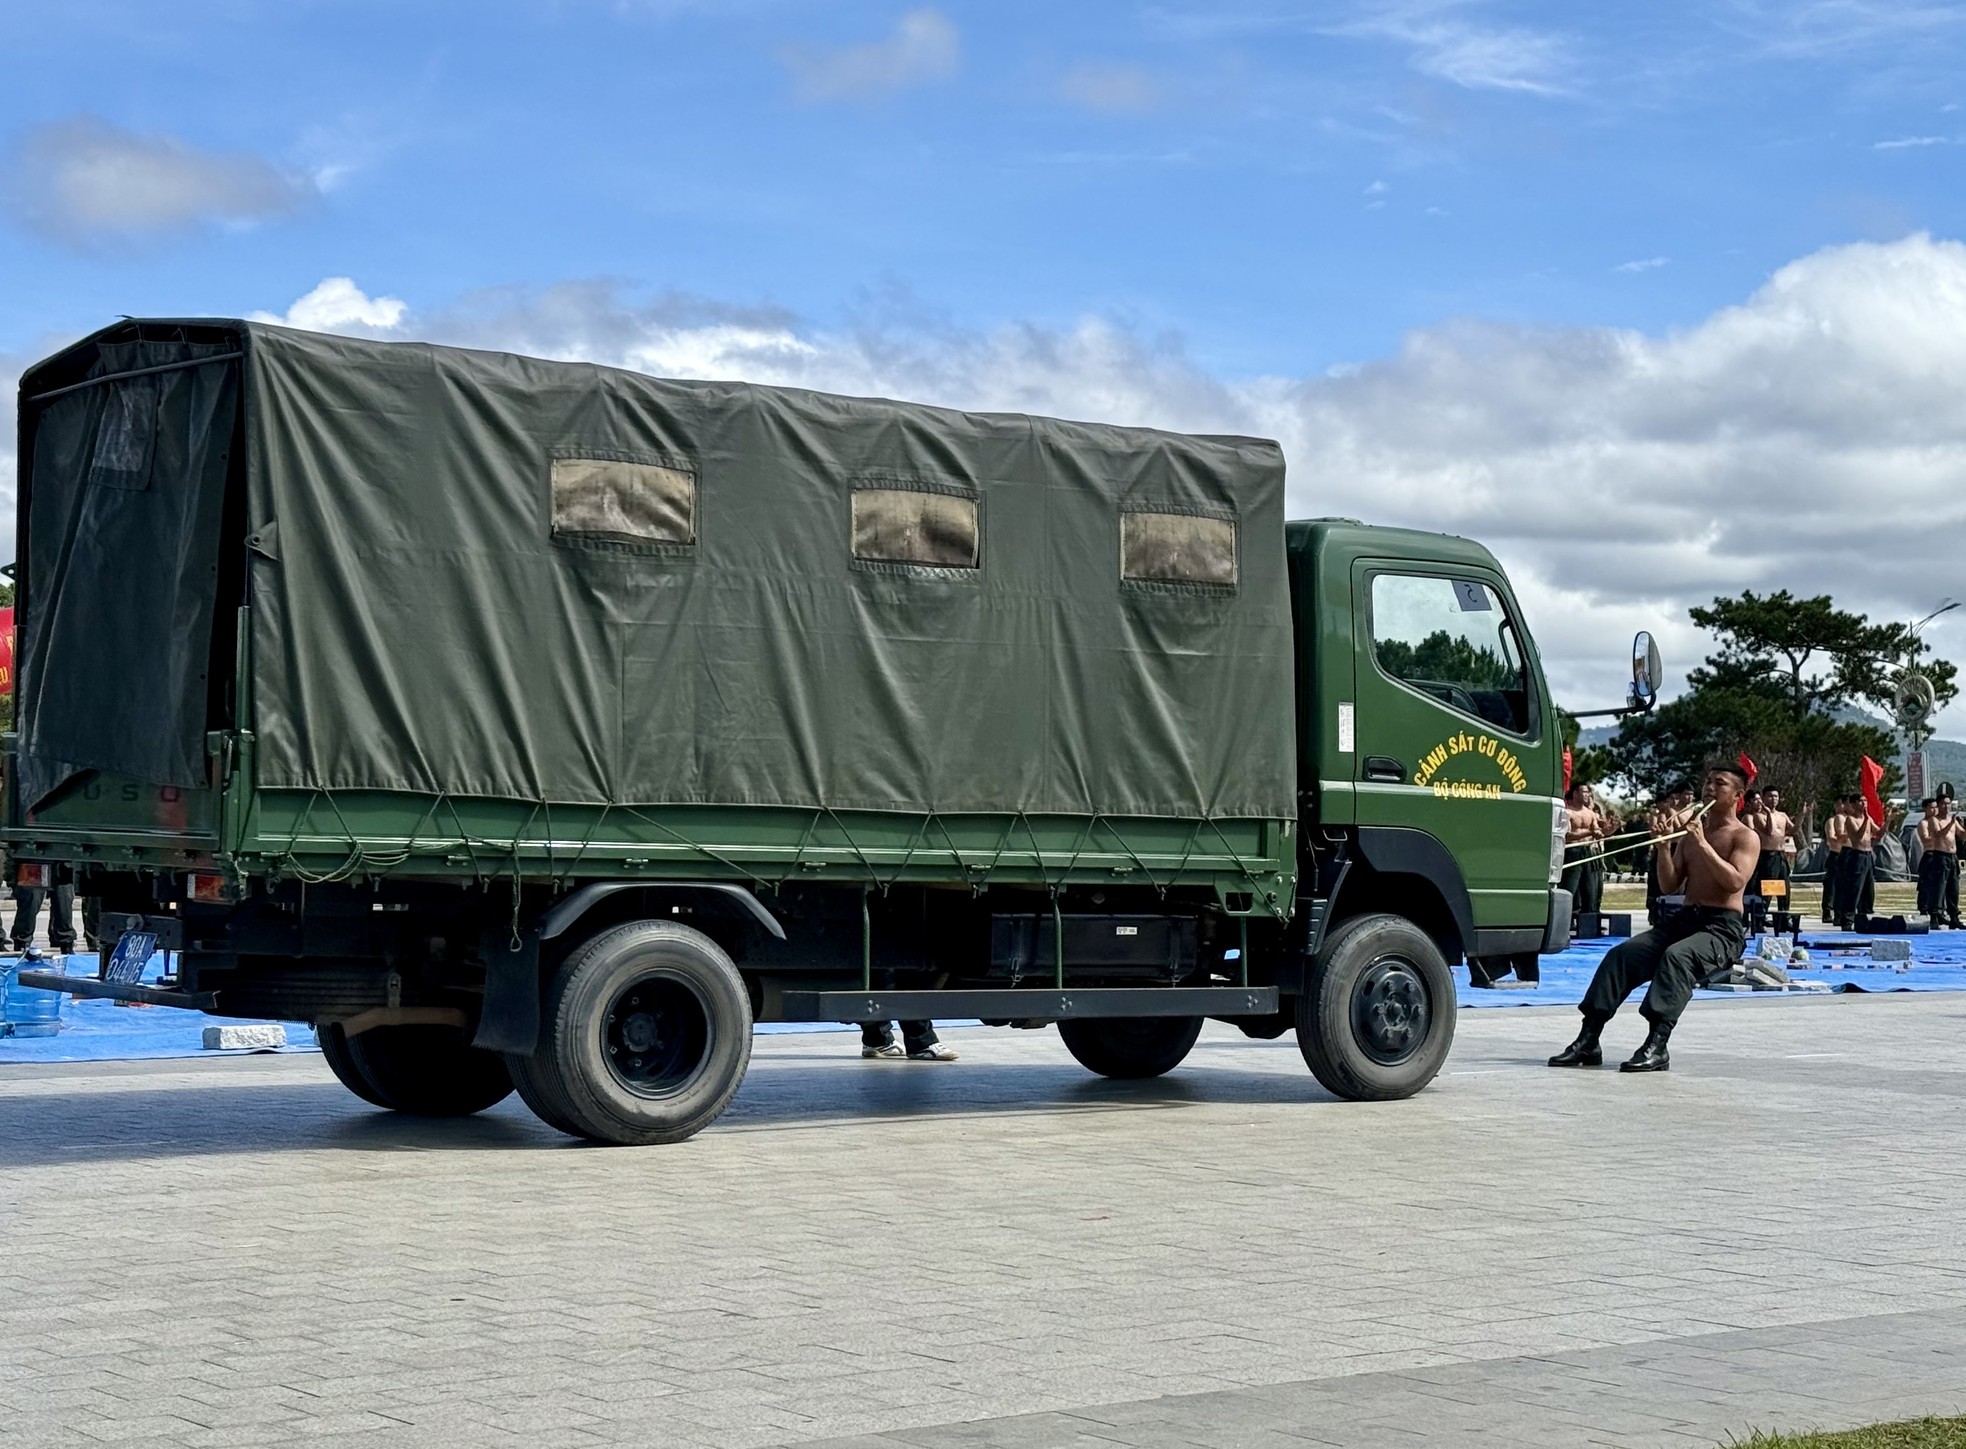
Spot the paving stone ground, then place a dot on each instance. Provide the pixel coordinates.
(1007, 1252)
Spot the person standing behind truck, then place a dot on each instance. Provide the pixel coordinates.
(1938, 867)
(1712, 863)
(918, 1043)
(1583, 848)
(61, 920)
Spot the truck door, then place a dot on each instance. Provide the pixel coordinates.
(1453, 735)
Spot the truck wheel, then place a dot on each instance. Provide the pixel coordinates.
(1377, 1016)
(341, 1061)
(1130, 1047)
(426, 1071)
(647, 1034)
(536, 1091)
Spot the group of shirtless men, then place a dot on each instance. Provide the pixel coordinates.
(1711, 855)
(1587, 827)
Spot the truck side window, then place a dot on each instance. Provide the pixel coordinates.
(913, 526)
(1452, 639)
(1177, 548)
(623, 502)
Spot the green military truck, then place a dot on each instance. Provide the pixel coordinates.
(536, 724)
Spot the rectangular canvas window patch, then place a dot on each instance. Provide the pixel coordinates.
(628, 502)
(1180, 548)
(903, 525)
(126, 435)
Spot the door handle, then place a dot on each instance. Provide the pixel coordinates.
(1383, 767)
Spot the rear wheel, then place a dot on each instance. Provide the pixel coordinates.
(536, 1091)
(1130, 1047)
(427, 1071)
(1377, 1018)
(647, 1036)
(334, 1046)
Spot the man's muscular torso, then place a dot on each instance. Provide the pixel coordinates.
(1700, 878)
(1940, 834)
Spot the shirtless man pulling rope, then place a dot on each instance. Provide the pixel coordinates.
(1712, 862)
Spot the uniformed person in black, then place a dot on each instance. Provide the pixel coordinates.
(1712, 864)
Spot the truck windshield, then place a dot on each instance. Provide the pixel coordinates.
(1452, 639)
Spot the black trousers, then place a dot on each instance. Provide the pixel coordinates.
(27, 913)
(916, 1036)
(1584, 879)
(1853, 884)
(1774, 865)
(1673, 958)
(1938, 885)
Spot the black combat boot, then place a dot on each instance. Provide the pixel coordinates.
(1584, 1051)
(1651, 1054)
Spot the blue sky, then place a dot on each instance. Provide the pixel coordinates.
(1660, 301)
(1286, 187)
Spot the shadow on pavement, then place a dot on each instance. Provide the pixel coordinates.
(784, 1090)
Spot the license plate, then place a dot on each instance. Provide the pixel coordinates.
(133, 952)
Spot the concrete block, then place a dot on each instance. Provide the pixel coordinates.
(1890, 950)
(266, 1036)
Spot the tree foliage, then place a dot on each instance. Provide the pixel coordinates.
(1446, 658)
(1816, 655)
(1782, 669)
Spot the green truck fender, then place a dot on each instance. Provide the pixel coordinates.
(1403, 872)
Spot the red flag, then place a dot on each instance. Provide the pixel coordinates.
(6, 652)
(1868, 774)
(1750, 768)
(1566, 769)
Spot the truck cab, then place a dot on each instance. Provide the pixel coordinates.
(1431, 753)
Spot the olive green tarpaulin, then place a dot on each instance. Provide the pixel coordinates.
(485, 575)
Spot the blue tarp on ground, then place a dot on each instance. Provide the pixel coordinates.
(93, 1031)
(105, 1031)
(1938, 964)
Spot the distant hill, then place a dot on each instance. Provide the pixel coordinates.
(1944, 759)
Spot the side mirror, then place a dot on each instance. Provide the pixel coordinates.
(1648, 670)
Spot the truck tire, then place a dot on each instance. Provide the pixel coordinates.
(341, 1061)
(536, 1091)
(646, 1037)
(425, 1071)
(1130, 1047)
(1377, 1016)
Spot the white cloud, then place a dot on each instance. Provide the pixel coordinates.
(1447, 45)
(1644, 264)
(338, 305)
(1113, 90)
(925, 46)
(1792, 30)
(84, 181)
(1907, 143)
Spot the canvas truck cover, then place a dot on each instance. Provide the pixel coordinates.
(475, 574)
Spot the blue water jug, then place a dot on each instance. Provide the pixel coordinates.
(26, 1010)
